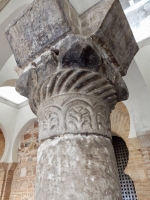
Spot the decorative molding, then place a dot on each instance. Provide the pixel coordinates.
(75, 114)
(72, 81)
(12, 104)
(78, 118)
(144, 42)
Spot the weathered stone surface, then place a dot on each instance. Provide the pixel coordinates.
(45, 22)
(107, 25)
(38, 27)
(72, 89)
(73, 113)
(79, 68)
(77, 167)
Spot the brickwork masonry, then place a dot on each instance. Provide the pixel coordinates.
(24, 176)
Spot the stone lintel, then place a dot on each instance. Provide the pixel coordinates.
(46, 22)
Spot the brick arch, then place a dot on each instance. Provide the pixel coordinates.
(120, 126)
(120, 121)
(2, 143)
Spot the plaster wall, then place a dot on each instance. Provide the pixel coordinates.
(24, 119)
(139, 99)
(82, 6)
(142, 59)
(8, 116)
(8, 67)
(11, 7)
(13, 122)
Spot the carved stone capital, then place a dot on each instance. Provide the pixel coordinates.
(77, 63)
(73, 88)
(73, 113)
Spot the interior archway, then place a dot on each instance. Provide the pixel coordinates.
(120, 126)
(122, 155)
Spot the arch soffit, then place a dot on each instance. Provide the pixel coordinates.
(120, 121)
(12, 7)
(6, 136)
(11, 83)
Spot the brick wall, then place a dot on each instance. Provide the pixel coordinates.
(24, 176)
(2, 143)
(2, 173)
(146, 156)
(2, 147)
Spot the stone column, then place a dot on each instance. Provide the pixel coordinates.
(73, 79)
(73, 104)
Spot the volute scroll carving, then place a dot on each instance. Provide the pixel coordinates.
(75, 65)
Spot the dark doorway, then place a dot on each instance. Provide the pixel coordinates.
(122, 156)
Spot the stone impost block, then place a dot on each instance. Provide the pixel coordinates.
(45, 22)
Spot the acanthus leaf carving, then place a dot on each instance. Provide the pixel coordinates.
(78, 118)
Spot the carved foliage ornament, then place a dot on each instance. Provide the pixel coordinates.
(75, 115)
(78, 118)
(75, 68)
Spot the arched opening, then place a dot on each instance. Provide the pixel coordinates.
(120, 126)
(122, 156)
(2, 144)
